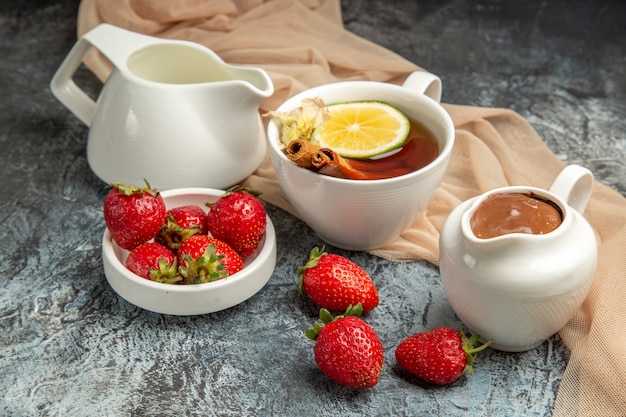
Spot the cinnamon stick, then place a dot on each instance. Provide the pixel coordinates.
(324, 161)
(301, 153)
(329, 162)
(335, 165)
(320, 160)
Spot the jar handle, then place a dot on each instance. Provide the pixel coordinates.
(574, 185)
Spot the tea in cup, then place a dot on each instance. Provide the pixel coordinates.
(367, 211)
(517, 262)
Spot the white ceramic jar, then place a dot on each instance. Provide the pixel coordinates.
(519, 289)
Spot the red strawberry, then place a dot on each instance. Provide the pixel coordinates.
(239, 219)
(347, 349)
(133, 215)
(203, 258)
(182, 222)
(334, 282)
(154, 262)
(440, 355)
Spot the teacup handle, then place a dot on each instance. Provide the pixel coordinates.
(425, 83)
(574, 185)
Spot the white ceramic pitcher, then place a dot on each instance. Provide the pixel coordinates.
(519, 289)
(171, 111)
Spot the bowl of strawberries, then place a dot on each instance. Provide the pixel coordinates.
(186, 251)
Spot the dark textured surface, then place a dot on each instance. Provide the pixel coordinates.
(70, 346)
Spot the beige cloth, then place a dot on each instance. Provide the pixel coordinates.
(302, 43)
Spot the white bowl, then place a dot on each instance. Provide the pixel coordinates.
(190, 299)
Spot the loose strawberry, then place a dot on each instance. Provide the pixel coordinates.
(133, 215)
(154, 262)
(347, 349)
(203, 258)
(238, 218)
(182, 222)
(440, 355)
(334, 282)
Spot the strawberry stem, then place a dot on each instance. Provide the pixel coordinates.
(314, 258)
(326, 317)
(235, 188)
(166, 273)
(126, 189)
(471, 351)
(355, 310)
(172, 235)
(207, 268)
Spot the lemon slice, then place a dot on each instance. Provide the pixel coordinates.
(363, 129)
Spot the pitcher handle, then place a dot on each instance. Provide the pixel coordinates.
(425, 83)
(115, 43)
(574, 185)
(65, 89)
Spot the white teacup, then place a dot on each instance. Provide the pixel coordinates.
(367, 214)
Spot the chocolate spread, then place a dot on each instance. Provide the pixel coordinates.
(504, 213)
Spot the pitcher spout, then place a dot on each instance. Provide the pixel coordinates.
(255, 79)
(175, 62)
